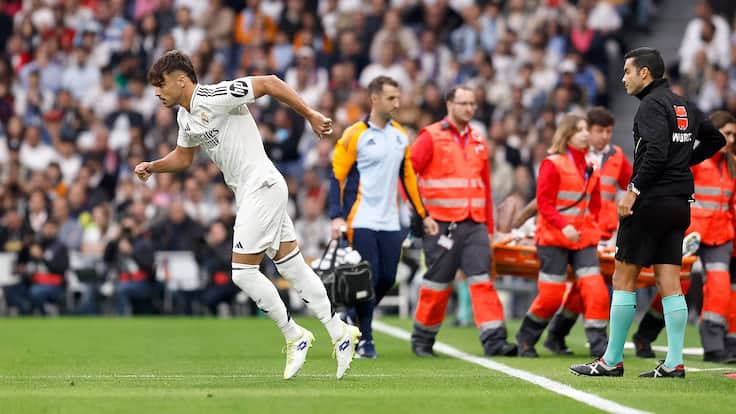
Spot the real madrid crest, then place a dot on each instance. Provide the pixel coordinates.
(204, 117)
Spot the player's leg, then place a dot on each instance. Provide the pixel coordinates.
(475, 261)
(365, 242)
(596, 299)
(623, 307)
(551, 290)
(716, 298)
(564, 320)
(731, 335)
(291, 265)
(256, 227)
(442, 265)
(668, 260)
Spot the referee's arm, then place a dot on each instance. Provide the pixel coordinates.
(710, 141)
(653, 128)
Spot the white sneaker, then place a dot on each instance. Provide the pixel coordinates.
(345, 349)
(296, 353)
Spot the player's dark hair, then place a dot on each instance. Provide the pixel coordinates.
(375, 87)
(600, 116)
(646, 57)
(171, 61)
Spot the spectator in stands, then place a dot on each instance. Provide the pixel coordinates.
(215, 257)
(195, 205)
(178, 231)
(306, 78)
(34, 154)
(706, 31)
(45, 263)
(70, 231)
(393, 29)
(130, 256)
(81, 75)
(386, 65)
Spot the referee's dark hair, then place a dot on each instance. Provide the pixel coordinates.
(375, 87)
(646, 57)
(720, 119)
(600, 116)
(171, 61)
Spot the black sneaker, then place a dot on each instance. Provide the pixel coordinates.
(506, 349)
(721, 357)
(643, 348)
(660, 371)
(424, 351)
(527, 351)
(598, 368)
(557, 345)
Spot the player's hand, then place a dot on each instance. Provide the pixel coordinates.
(143, 170)
(626, 204)
(430, 226)
(321, 125)
(338, 227)
(571, 233)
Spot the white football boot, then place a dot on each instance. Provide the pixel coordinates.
(345, 349)
(296, 353)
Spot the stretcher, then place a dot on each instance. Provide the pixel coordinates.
(515, 257)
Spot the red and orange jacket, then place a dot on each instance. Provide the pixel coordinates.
(454, 173)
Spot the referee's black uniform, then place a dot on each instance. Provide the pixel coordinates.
(666, 127)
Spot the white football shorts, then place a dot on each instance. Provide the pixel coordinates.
(262, 222)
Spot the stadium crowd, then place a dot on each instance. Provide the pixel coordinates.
(77, 114)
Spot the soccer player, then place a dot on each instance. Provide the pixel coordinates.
(655, 212)
(216, 118)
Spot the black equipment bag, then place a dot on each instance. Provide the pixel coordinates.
(346, 284)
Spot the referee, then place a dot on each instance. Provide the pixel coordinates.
(655, 212)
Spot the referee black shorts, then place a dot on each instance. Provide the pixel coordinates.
(653, 233)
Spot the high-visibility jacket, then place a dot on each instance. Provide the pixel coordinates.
(572, 187)
(609, 173)
(452, 187)
(711, 214)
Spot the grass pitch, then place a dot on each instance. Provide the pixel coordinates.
(200, 366)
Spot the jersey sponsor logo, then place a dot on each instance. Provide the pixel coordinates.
(681, 114)
(682, 137)
(209, 139)
(238, 89)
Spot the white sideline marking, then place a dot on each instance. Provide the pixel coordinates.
(554, 386)
(174, 376)
(660, 348)
(688, 369)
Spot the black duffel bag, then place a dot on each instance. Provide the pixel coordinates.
(347, 284)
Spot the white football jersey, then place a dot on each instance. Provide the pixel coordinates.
(219, 122)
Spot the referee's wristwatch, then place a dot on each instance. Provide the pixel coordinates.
(632, 188)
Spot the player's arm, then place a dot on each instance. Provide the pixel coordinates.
(177, 160)
(272, 86)
(529, 211)
(343, 159)
(409, 181)
(710, 141)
